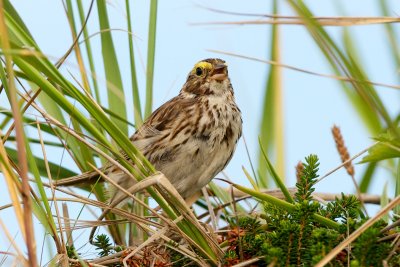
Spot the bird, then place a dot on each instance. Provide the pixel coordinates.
(191, 137)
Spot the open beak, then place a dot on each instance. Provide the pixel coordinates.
(219, 73)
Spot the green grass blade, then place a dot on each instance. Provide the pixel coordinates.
(81, 154)
(224, 196)
(384, 202)
(77, 49)
(55, 169)
(250, 179)
(151, 50)
(370, 118)
(285, 205)
(45, 210)
(391, 35)
(397, 188)
(271, 132)
(275, 176)
(137, 110)
(116, 98)
(89, 52)
(367, 177)
(8, 81)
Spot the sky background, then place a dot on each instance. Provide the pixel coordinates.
(311, 104)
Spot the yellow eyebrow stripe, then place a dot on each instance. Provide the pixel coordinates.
(203, 64)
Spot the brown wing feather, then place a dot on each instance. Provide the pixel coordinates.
(165, 117)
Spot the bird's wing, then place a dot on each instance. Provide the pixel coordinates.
(162, 123)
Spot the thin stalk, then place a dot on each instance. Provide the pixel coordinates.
(20, 137)
(116, 96)
(71, 19)
(271, 126)
(275, 176)
(151, 49)
(137, 110)
(89, 51)
(285, 205)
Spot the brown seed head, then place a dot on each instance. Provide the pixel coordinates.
(299, 171)
(342, 149)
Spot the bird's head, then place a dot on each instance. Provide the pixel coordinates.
(208, 77)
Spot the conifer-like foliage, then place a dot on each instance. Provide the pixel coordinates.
(295, 238)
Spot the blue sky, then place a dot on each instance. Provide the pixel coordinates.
(311, 104)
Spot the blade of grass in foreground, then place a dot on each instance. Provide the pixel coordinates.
(89, 51)
(55, 169)
(137, 110)
(135, 232)
(71, 19)
(151, 50)
(81, 154)
(116, 97)
(41, 208)
(271, 132)
(275, 176)
(223, 196)
(397, 187)
(20, 36)
(11, 90)
(285, 205)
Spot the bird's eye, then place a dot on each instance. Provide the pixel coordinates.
(199, 71)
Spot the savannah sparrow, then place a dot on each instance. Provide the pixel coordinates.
(190, 138)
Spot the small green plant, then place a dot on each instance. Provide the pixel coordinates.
(104, 246)
(295, 238)
(71, 252)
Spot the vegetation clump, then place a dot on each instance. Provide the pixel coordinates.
(296, 238)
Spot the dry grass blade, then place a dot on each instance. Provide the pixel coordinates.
(27, 222)
(67, 225)
(58, 241)
(347, 161)
(248, 262)
(323, 21)
(130, 192)
(13, 187)
(358, 232)
(335, 77)
(210, 209)
(20, 254)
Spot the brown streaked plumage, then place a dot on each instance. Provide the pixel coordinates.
(192, 137)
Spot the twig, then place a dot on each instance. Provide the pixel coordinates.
(347, 161)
